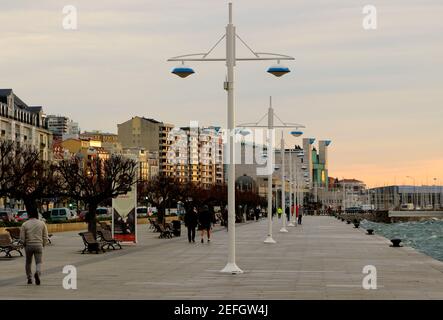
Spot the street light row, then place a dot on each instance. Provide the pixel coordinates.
(231, 59)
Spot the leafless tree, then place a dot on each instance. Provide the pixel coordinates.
(161, 191)
(96, 180)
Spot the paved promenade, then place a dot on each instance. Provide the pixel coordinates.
(322, 259)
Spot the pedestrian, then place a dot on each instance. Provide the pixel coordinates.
(279, 212)
(204, 220)
(257, 213)
(191, 221)
(300, 215)
(34, 236)
(287, 210)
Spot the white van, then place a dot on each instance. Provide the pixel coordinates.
(62, 214)
(142, 212)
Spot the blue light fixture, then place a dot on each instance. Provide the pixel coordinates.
(296, 133)
(182, 71)
(278, 70)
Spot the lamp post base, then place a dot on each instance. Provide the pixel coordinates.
(283, 229)
(231, 267)
(269, 240)
(291, 224)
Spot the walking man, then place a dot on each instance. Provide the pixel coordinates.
(34, 236)
(191, 220)
(205, 219)
(300, 215)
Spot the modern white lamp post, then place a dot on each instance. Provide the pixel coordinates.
(283, 185)
(292, 182)
(183, 71)
(270, 156)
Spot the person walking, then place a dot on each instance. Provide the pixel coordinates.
(287, 214)
(279, 212)
(191, 221)
(257, 212)
(205, 220)
(34, 236)
(300, 215)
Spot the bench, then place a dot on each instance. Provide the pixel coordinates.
(151, 225)
(164, 232)
(14, 232)
(108, 240)
(105, 226)
(91, 244)
(15, 235)
(7, 245)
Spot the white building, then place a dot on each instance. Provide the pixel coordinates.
(24, 124)
(196, 155)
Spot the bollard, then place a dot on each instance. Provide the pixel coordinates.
(356, 225)
(370, 231)
(348, 221)
(396, 243)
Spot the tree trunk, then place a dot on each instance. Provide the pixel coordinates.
(91, 218)
(31, 206)
(161, 214)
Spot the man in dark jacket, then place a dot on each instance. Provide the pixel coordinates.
(191, 220)
(205, 219)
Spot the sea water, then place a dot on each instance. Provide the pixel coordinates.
(424, 236)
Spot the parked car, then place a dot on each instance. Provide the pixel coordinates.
(104, 212)
(6, 215)
(21, 215)
(62, 214)
(101, 212)
(142, 212)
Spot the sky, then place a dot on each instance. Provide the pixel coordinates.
(377, 94)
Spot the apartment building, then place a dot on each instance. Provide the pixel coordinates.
(147, 162)
(196, 155)
(147, 134)
(109, 141)
(62, 127)
(24, 124)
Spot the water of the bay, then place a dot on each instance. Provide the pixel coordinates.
(424, 236)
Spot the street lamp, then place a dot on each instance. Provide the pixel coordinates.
(230, 36)
(291, 181)
(270, 153)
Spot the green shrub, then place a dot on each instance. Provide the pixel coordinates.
(4, 224)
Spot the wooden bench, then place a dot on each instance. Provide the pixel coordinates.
(105, 226)
(108, 240)
(151, 225)
(91, 244)
(14, 232)
(7, 245)
(164, 232)
(15, 235)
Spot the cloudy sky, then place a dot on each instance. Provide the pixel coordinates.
(376, 94)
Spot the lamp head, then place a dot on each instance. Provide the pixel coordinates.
(278, 70)
(183, 71)
(296, 133)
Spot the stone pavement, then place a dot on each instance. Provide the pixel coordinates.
(322, 259)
